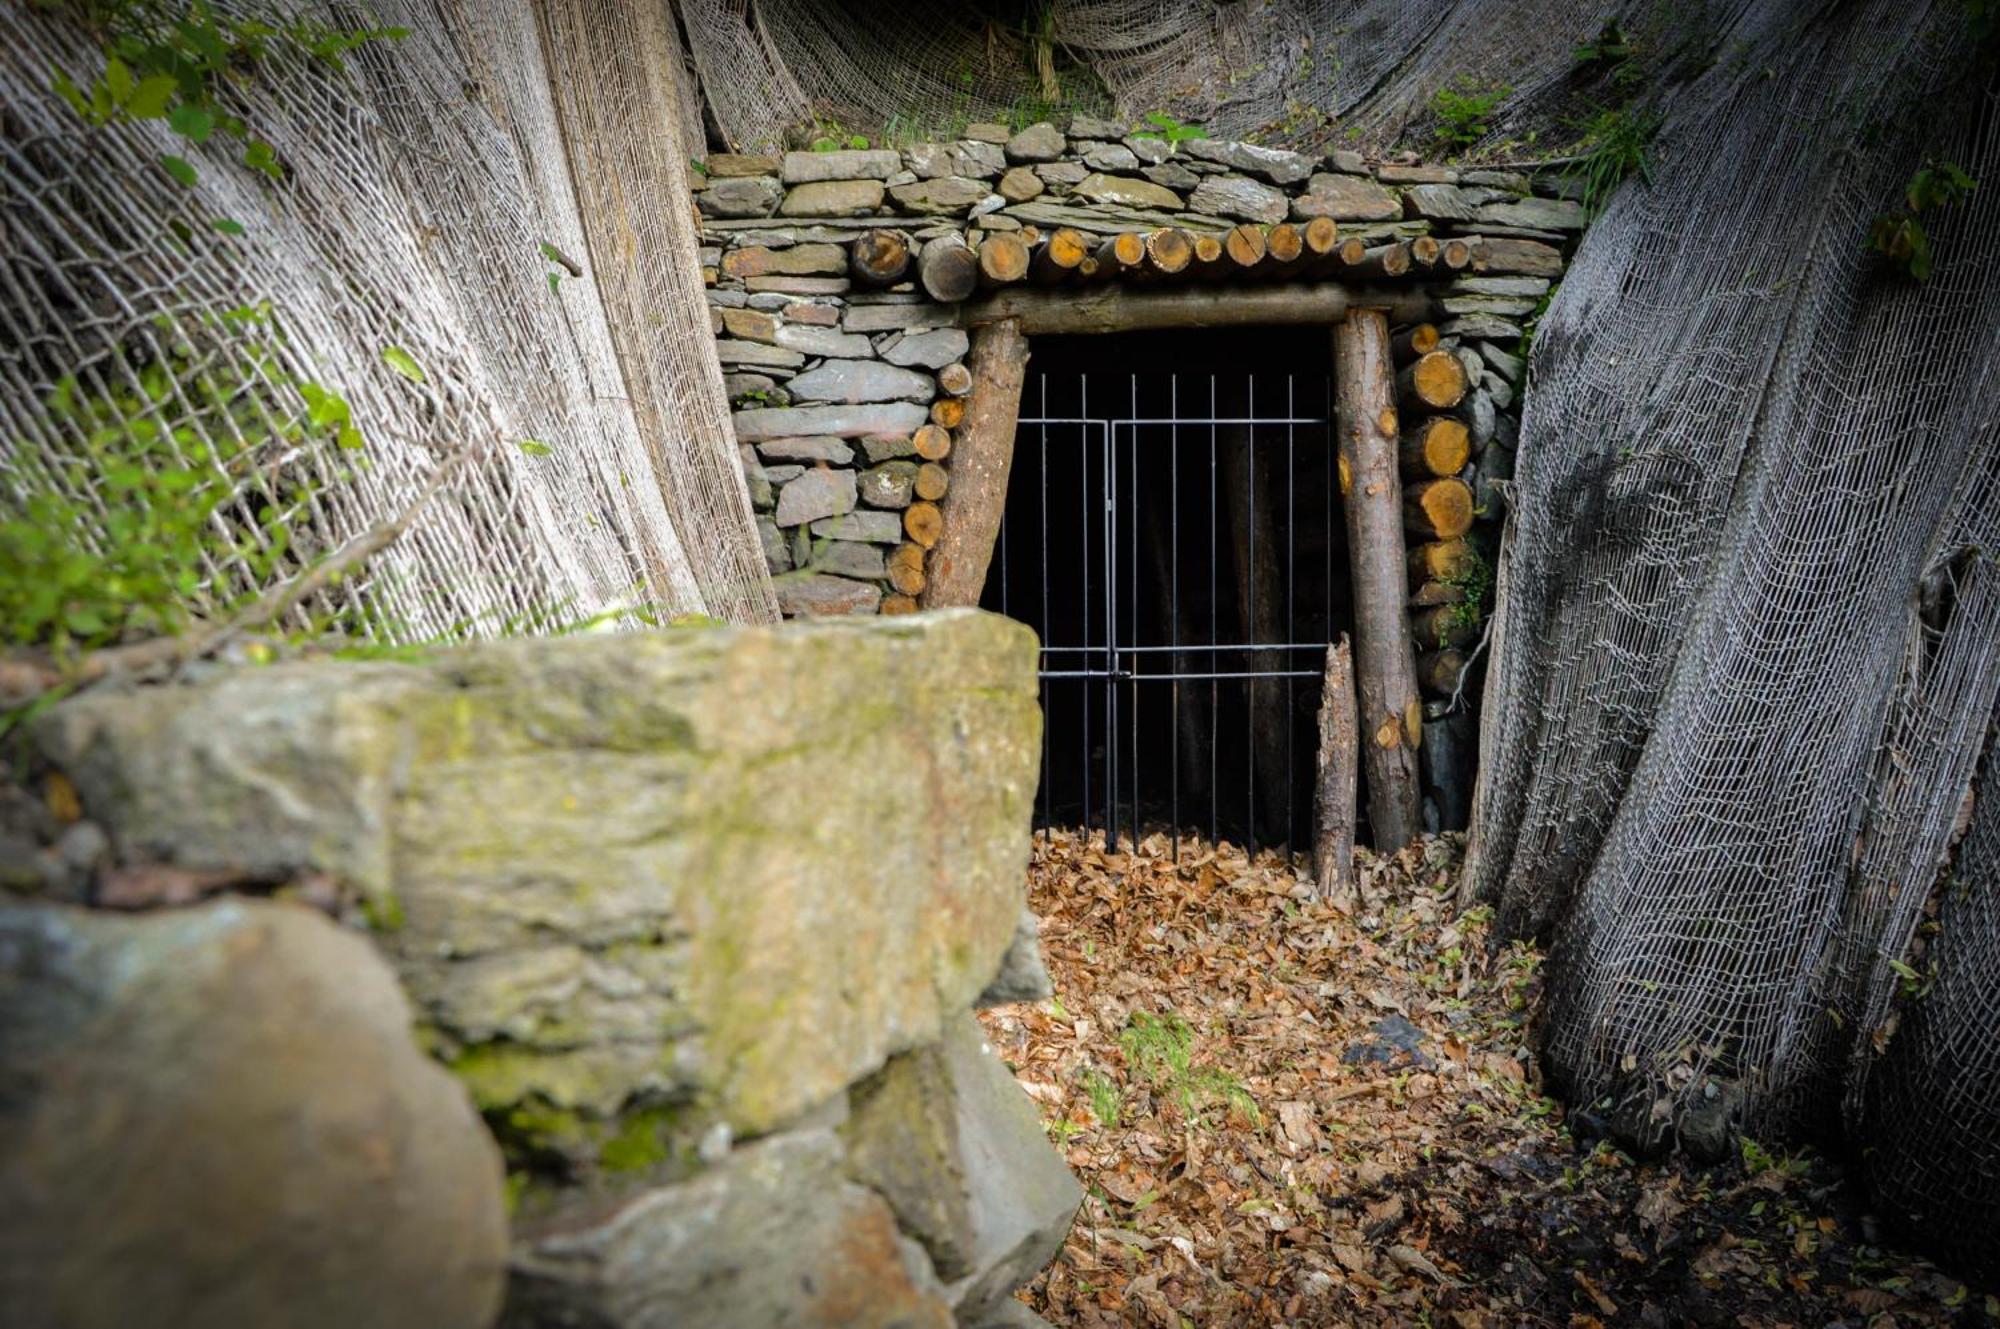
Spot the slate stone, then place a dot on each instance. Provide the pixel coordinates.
(745, 196)
(820, 492)
(1273, 164)
(1172, 175)
(1346, 198)
(845, 421)
(813, 314)
(862, 381)
(1416, 175)
(1528, 258)
(985, 131)
(1489, 326)
(1091, 127)
(1543, 214)
(1437, 203)
(1507, 306)
(1126, 191)
(887, 447)
(882, 528)
(1511, 181)
(1109, 157)
(762, 496)
(800, 168)
(967, 157)
(217, 1115)
(929, 350)
(736, 385)
(733, 352)
(949, 196)
(1020, 184)
(847, 558)
(1347, 162)
(1240, 197)
(892, 484)
(727, 299)
(1509, 367)
(1528, 286)
(722, 165)
(810, 448)
(1061, 174)
(777, 557)
(833, 198)
(886, 318)
(1023, 974)
(796, 261)
(1037, 143)
(823, 341)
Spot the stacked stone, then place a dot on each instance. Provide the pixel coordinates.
(844, 391)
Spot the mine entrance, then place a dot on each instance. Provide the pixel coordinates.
(1175, 537)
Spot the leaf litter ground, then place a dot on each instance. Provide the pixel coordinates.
(1286, 1114)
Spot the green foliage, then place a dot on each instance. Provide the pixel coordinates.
(1900, 236)
(128, 535)
(1161, 1048)
(1164, 126)
(1463, 111)
(1613, 149)
(1104, 1097)
(1474, 580)
(173, 61)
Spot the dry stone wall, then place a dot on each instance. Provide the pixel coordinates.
(696, 918)
(846, 387)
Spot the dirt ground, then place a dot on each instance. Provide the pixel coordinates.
(1284, 1115)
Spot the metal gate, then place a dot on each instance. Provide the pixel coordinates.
(1175, 540)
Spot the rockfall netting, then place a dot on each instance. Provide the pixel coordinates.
(1745, 666)
(582, 421)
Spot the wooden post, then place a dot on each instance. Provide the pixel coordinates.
(980, 464)
(1335, 779)
(1385, 666)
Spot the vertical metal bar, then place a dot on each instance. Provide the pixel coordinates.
(1134, 513)
(1250, 555)
(1174, 600)
(1083, 497)
(1048, 795)
(1214, 696)
(1291, 568)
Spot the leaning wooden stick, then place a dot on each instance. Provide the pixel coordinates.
(1336, 779)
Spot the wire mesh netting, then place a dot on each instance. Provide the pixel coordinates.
(401, 239)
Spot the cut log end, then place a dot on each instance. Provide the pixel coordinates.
(1244, 245)
(1060, 256)
(923, 523)
(1438, 509)
(1285, 242)
(1169, 250)
(931, 443)
(1440, 560)
(906, 569)
(1440, 446)
(897, 603)
(932, 481)
(1435, 382)
(1438, 672)
(1003, 258)
(955, 379)
(878, 257)
(1124, 250)
(1321, 236)
(1416, 340)
(947, 269)
(948, 412)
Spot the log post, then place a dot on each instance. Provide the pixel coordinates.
(1335, 779)
(972, 508)
(1385, 665)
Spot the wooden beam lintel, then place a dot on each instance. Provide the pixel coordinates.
(1122, 309)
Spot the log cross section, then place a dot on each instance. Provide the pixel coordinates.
(1384, 663)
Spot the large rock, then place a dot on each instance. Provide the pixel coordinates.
(1037, 143)
(949, 196)
(801, 168)
(741, 196)
(1547, 214)
(813, 595)
(830, 198)
(929, 350)
(968, 157)
(949, 1138)
(621, 869)
(821, 492)
(217, 1116)
(772, 1237)
(841, 421)
(1124, 191)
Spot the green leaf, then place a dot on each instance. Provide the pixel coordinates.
(261, 156)
(698, 165)
(403, 363)
(193, 123)
(179, 169)
(349, 438)
(226, 225)
(555, 281)
(118, 81)
(66, 88)
(535, 448)
(149, 100)
(1904, 970)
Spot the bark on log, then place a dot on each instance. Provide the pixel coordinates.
(1436, 382)
(932, 481)
(1439, 446)
(1003, 259)
(1439, 509)
(878, 257)
(1123, 309)
(1440, 559)
(1385, 666)
(947, 269)
(955, 379)
(923, 523)
(931, 443)
(1416, 340)
(906, 569)
(1335, 780)
(978, 497)
(948, 412)
(1439, 671)
(1169, 250)
(1384, 262)
(1059, 256)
